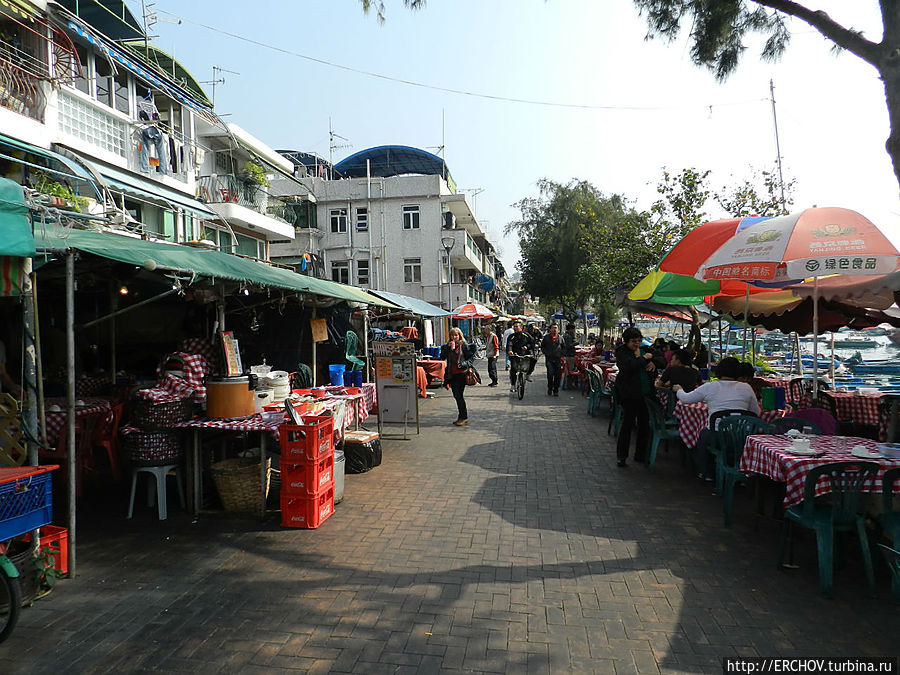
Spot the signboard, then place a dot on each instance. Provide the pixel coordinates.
(395, 382)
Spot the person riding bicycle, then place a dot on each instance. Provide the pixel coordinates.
(519, 345)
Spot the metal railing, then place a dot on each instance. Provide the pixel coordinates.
(21, 90)
(229, 189)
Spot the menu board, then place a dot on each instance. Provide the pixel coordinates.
(395, 382)
(232, 354)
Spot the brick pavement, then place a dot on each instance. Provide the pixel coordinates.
(512, 545)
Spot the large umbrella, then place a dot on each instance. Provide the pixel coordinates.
(698, 244)
(472, 310)
(811, 243)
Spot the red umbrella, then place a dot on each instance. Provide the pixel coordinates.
(689, 254)
(472, 310)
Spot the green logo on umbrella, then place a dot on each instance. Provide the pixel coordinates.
(763, 237)
(812, 265)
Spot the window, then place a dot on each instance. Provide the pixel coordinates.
(362, 219)
(119, 84)
(362, 272)
(411, 217)
(412, 269)
(338, 220)
(103, 70)
(83, 76)
(340, 272)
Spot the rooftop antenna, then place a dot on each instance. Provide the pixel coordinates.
(475, 192)
(217, 80)
(332, 146)
(150, 20)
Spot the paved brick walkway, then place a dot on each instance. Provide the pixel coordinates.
(513, 545)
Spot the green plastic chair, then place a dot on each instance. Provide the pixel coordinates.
(596, 392)
(713, 445)
(302, 377)
(783, 424)
(890, 519)
(351, 343)
(660, 428)
(892, 556)
(615, 413)
(847, 481)
(730, 438)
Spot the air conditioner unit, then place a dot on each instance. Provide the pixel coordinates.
(449, 221)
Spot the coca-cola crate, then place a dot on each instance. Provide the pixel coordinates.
(307, 479)
(307, 512)
(308, 441)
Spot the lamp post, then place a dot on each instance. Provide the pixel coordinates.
(448, 243)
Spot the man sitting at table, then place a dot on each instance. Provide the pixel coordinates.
(726, 393)
(681, 372)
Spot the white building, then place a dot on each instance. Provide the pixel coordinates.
(387, 225)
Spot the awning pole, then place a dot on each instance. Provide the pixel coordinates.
(70, 403)
(30, 382)
(114, 306)
(815, 338)
(313, 338)
(39, 362)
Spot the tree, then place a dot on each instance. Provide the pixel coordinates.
(378, 6)
(746, 199)
(718, 30)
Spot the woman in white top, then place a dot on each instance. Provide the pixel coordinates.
(726, 393)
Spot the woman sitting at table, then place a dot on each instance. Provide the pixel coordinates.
(681, 372)
(726, 393)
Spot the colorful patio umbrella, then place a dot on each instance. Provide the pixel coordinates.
(811, 243)
(698, 244)
(472, 310)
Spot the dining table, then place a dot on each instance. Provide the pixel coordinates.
(859, 408)
(771, 456)
(357, 408)
(434, 369)
(694, 418)
(56, 415)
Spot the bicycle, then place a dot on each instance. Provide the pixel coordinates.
(521, 364)
(10, 594)
(480, 347)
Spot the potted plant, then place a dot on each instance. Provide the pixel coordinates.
(254, 174)
(60, 194)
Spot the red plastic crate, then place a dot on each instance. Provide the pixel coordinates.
(309, 441)
(307, 479)
(307, 512)
(57, 539)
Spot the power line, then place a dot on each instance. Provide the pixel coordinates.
(448, 90)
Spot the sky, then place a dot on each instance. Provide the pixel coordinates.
(626, 108)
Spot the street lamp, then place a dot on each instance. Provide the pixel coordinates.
(448, 243)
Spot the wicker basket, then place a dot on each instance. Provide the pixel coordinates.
(237, 481)
(151, 416)
(153, 448)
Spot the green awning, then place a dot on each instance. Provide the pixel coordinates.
(65, 167)
(150, 191)
(167, 64)
(16, 238)
(203, 263)
(414, 305)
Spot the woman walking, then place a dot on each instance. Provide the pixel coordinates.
(458, 354)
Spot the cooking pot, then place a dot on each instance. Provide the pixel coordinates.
(230, 397)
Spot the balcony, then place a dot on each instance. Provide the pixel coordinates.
(21, 86)
(465, 254)
(243, 203)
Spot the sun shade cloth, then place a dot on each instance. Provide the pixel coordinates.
(414, 305)
(73, 169)
(203, 263)
(15, 230)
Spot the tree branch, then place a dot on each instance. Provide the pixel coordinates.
(845, 38)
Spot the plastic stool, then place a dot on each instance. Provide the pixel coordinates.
(159, 473)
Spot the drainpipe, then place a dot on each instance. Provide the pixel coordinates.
(383, 279)
(372, 283)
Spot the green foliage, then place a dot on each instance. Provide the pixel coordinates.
(683, 197)
(378, 6)
(254, 173)
(747, 199)
(718, 29)
(45, 572)
(46, 185)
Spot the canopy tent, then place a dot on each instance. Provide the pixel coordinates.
(787, 312)
(197, 263)
(877, 291)
(53, 163)
(412, 305)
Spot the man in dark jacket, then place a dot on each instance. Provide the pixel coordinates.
(637, 371)
(519, 344)
(552, 345)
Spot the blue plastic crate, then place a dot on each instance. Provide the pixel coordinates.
(25, 505)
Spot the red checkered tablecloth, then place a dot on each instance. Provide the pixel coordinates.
(769, 456)
(694, 417)
(195, 370)
(56, 420)
(862, 409)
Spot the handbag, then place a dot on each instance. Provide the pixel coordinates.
(472, 377)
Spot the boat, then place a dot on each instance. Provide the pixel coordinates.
(862, 368)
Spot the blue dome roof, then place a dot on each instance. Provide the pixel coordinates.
(392, 160)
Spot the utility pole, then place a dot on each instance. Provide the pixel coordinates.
(777, 144)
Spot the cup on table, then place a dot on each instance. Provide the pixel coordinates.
(800, 443)
(807, 431)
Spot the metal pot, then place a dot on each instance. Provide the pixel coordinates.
(230, 397)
